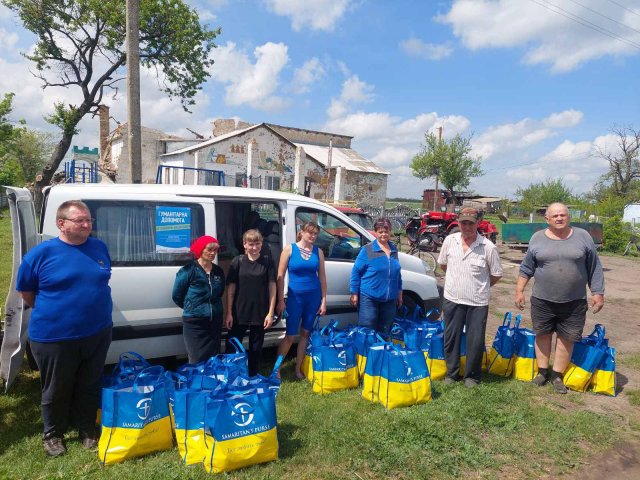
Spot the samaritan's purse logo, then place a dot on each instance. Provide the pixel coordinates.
(242, 414)
(144, 406)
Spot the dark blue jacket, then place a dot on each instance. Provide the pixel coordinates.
(199, 294)
(376, 275)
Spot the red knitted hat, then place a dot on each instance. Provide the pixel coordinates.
(199, 243)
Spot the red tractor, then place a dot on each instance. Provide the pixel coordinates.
(430, 230)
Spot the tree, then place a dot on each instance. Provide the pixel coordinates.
(9, 169)
(31, 149)
(80, 45)
(450, 160)
(624, 164)
(543, 193)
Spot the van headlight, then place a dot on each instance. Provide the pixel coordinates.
(427, 269)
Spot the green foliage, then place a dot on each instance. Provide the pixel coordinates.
(450, 160)
(541, 194)
(81, 44)
(31, 150)
(10, 173)
(615, 235)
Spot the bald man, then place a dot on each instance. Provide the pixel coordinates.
(562, 260)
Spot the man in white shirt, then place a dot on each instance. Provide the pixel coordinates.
(472, 266)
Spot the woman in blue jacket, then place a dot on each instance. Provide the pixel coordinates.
(198, 291)
(376, 281)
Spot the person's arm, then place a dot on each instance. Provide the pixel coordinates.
(29, 298)
(231, 293)
(358, 269)
(444, 251)
(596, 278)
(282, 271)
(268, 320)
(495, 267)
(520, 286)
(323, 283)
(180, 287)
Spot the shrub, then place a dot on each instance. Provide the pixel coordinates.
(615, 235)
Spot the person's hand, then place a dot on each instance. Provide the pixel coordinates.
(228, 322)
(281, 307)
(520, 301)
(353, 300)
(268, 321)
(323, 307)
(597, 302)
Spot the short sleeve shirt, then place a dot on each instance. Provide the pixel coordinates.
(468, 273)
(251, 278)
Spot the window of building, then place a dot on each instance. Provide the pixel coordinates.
(272, 183)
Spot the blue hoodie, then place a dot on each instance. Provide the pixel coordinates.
(376, 275)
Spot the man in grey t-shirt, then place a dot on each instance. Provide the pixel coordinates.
(563, 261)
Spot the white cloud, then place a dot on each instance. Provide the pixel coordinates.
(427, 51)
(354, 91)
(568, 118)
(522, 134)
(305, 76)
(549, 37)
(249, 83)
(7, 39)
(206, 16)
(312, 14)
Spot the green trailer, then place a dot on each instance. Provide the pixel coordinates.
(517, 235)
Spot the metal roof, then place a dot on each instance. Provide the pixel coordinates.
(211, 141)
(341, 157)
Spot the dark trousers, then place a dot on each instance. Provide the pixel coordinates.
(70, 381)
(473, 320)
(202, 337)
(256, 340)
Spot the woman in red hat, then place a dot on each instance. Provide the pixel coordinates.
(198, 291)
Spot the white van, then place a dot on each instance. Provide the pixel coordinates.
(145, 258)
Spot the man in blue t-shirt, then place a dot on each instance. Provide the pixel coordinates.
(66, 282)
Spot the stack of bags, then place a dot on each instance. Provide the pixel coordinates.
(220, 416)
(593, 364)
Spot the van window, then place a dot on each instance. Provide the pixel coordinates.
(135, 236)
(233, 218)
(337, 240)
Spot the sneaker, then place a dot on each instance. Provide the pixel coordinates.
(539, 380)
(88, 441)
(471, 382)
(450, 380)
(54, 446)
(559, 385)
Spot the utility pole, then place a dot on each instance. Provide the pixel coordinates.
(437, 172)
(326, 192)
(133, 90)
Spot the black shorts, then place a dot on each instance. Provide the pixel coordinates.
(566, 319)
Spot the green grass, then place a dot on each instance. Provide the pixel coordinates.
(6, 259)
(629, 360)
(502, 426)
(633, 396)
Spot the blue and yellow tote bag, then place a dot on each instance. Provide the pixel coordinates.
(404, 378)
(603, 380)
(525, 366)
(363, 339)
(135, 417)
(501, 356)
(585, 358)
(372, 371)
(334, 367)
(240, 430)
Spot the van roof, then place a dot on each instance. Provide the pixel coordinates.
(186, 190)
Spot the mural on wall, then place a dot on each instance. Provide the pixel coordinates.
(237, 149)
(219, 158)
(268, 163)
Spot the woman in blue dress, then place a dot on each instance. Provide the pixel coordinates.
(307, 291)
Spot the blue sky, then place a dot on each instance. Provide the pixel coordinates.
(539, 83)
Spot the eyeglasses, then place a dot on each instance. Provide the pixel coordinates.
(81, 221)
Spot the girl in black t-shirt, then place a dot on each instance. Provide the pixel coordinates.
(251, 296)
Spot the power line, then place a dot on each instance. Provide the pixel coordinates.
(625, 8)
(605, 16)
(586, 23)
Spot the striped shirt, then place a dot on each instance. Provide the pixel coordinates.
(467, 281)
